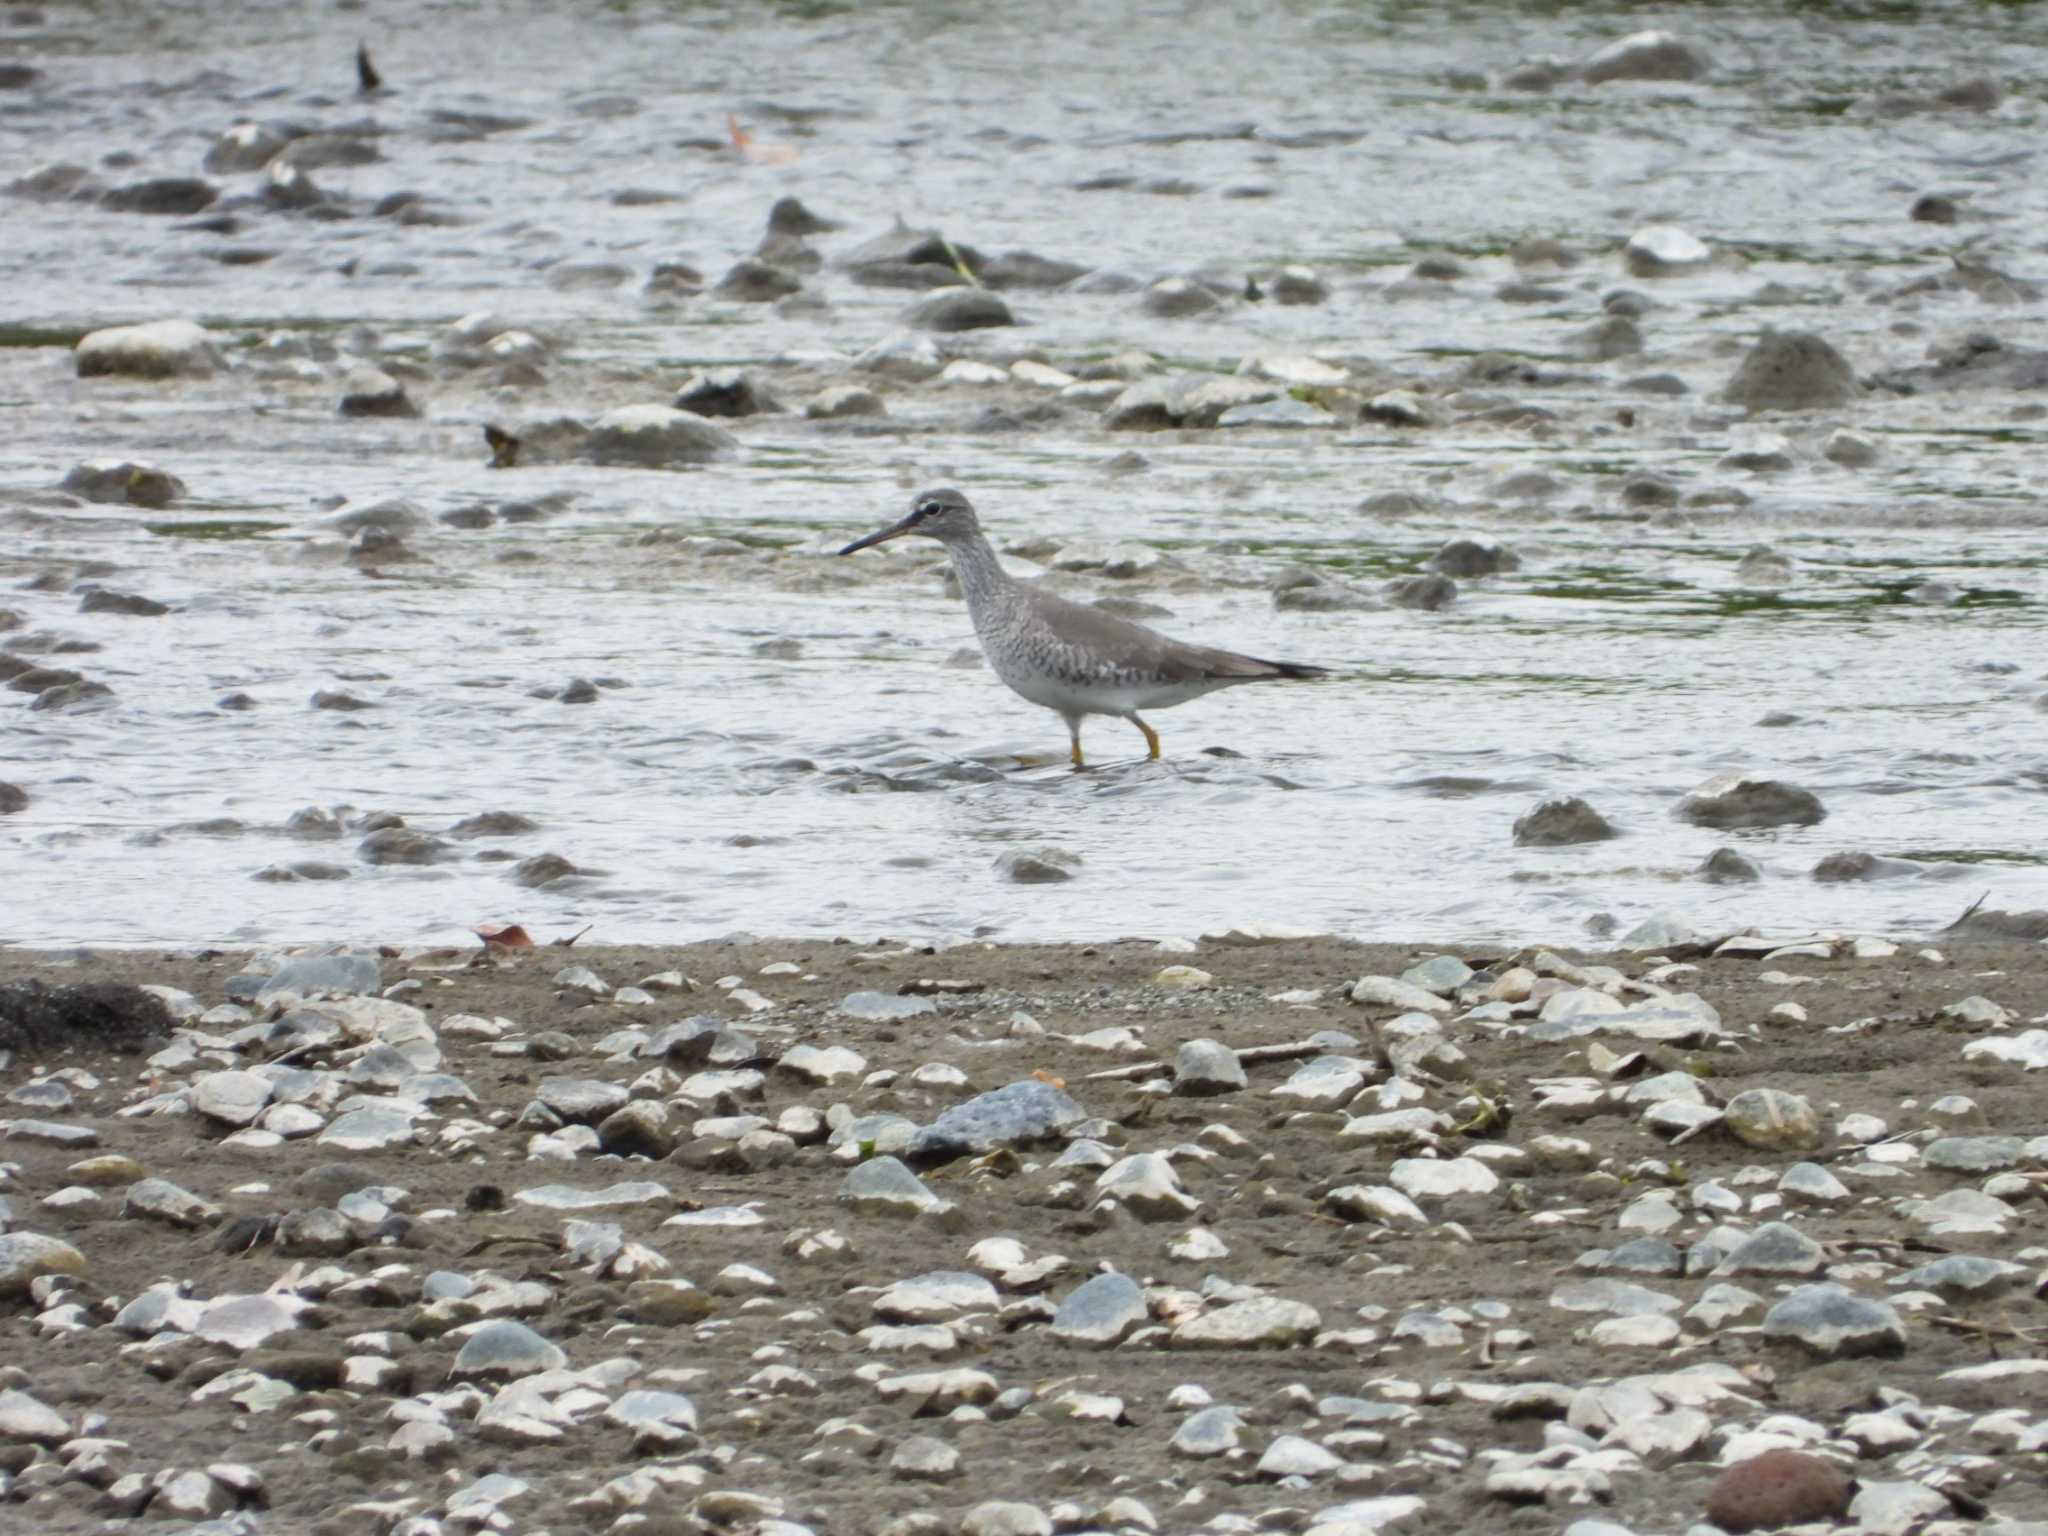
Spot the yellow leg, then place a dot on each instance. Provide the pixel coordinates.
(1074, 735)
(1076, 754)
(1151, 737)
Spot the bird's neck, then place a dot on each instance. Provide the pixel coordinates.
(981, 574)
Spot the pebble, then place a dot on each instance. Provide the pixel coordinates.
(1832, 1322)
(1737, 800)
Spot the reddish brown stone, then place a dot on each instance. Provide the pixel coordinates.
(1778, 1488)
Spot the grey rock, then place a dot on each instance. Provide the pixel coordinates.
(1210, 1432)
(1558, 822)
(924, 1459)
(641, 1128)
(1775, 1249)
(1738, 800)
(728, 392)
(958, 309)
(1037, 866)
(883, 1186)
(1835, 1323)
(1429, 593)
(1101, 1312)
(123, 482)
(1965, 1277)
(1792, 371)
(1848, 868)
(232, 1098)
(751, 281)
(373, 392)
(580, 1100)
(162, 195)
(26, 1419)
(1177, 298)
(656, 437)
(28, 1256)
(1974, 1154)
(161, 1200)
(1772, 1119)
(881, 1007)
(565, 1197)
(839, 401)
(1262, 1322)
(402, 845)
(1727, 866)
(158, 349)
(1466, 559)
(1645, 56)
(309, 975)
(506, 1348)
(1205, 1067)
(1020, 1114)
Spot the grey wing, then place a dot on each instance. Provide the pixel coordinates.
(1142, 649)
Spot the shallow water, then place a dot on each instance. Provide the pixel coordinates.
(867, 783)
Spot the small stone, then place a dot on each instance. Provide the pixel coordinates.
(1146, 1185)
(1737, 800)
(1661, 250)
(159, 349)
(1727, 866)
(839, 401)
(1652, 55)
(1101, 1312)
(1563, 821)
(1792, 371)
(1263, 1322)
(373, 392)
(1776, 1489)
(1206, 1067)
(1833, 1322)
(161, 1200)
(958, 309)
(506, 1348)
(1772, 1119)
(1038, 866)
(656, 436)
(1775, 1249)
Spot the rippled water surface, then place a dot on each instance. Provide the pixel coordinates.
(784, 742)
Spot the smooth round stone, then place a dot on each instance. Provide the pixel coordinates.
(1326, 1080)
(232, 1098)
(243, 1322)
(1272, 1322)
(882, 1007)
(935, 1297)
(1812, 1182)
(581, 1100)
(1146, 1185)
(1005, 1517)
(823, 1065)
(883, 1186)
(1441, 974)
(642, 1408)
(1652, 1213)
(1294, 1456)
(1634, 1333)
(1015, 1115)
(1101, 1312)
(507, 1348)
(1974, 1154)
(1965, 1277)
(368, 1130)
(656, 436)
(1775, 1249)
(1210, 1432)
(1657, 250)
(1376, 1203)
(1772, 1120)
(27, 1419)
(1435, 1179)
(1206, 1067)
(1725, 1306)
(1778, 1488)
(1739, 800)
(1646, 1256)
(924, 1459)
(1834, 1323)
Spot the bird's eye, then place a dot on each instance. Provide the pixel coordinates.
(928, 509)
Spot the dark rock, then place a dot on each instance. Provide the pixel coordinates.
(1176, 298)
(493, 824)
(1645, 56)
(1467, 558)
(542, 869)
(1021, 1114)
(655, 437)
(35, 1018)
(789, 217)
(1735, 800)
(2008, 927)
(673, 280)
(338, 699)
(1776, 1489)
(725, 392)
(1934, 208)
(959, 309)
(751, 281)
(1025, 269)
(101, 600)
(401, 845)
(1555, 823)
(12, 798)
(119, 481)
(1725, 866)
(163, 195)
(906, 247)
(1426, 592)
(72, 695)
(905, 274)
(1843, 868)
(1792, 371)
(373, 392)
(1978, 361)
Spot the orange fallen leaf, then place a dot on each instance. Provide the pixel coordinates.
(503, 936)
(1047, 1077)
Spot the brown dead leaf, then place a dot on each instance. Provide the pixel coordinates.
(503, 936)
(1047, 1077)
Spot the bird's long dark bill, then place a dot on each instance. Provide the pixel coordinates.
(883, 537)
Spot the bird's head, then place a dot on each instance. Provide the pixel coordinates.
(945, 515)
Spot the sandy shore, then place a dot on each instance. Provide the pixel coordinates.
(1420, 1326)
